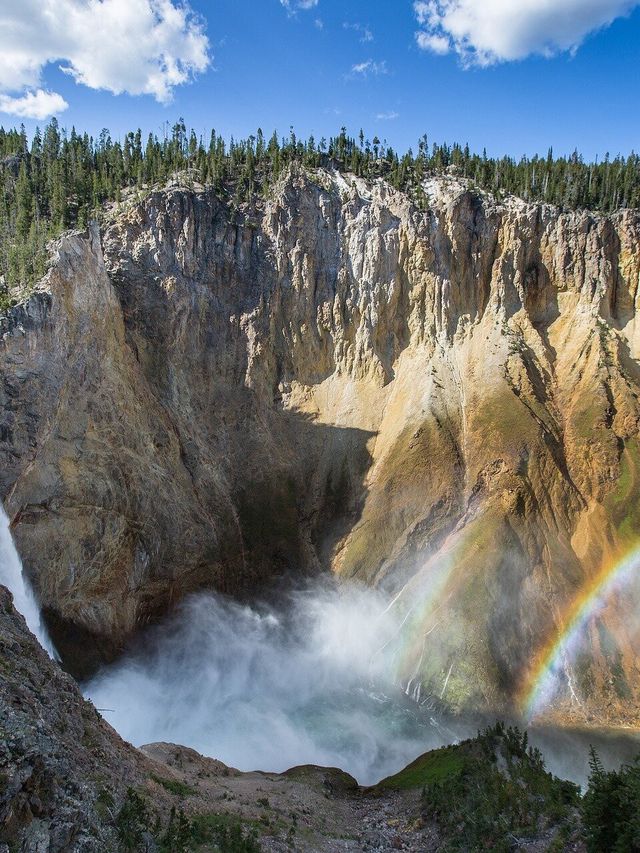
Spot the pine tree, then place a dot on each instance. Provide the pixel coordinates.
(24, 202)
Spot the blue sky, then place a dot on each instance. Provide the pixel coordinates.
(457, 70)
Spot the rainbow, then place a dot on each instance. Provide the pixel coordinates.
(551, 661)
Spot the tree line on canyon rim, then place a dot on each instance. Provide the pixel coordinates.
(60, 179)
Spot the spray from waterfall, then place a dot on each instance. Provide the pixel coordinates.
(308, 679)
(12, 576)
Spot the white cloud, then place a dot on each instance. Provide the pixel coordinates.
(293, 5)
(369, 67)
(433, 42)
(142, 47)
(484, 32)
(363, 31)
(38, 105)
(390, 116)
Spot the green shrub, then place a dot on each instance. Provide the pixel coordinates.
(226, 832)
(137, 825)
(611, 808)
(499, 793)
(133, 821)
(178, 837)
(174, 786)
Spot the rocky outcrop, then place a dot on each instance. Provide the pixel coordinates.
(443, 403)
(63, 771)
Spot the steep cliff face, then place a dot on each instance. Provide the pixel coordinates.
(440, 403)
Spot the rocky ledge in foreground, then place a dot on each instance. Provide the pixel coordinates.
(69, 783)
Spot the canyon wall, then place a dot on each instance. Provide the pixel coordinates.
(442, 403)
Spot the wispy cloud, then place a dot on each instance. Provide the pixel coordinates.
(390, 116)
(485, 32)
(363, 31)
(292, 6)
(369, 67)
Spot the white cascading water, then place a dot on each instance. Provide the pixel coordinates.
(12, 576)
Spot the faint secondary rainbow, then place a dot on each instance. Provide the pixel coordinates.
(551, 662)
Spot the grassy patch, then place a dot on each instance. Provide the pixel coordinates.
(623, 501)
(436, 766)
(328, 778)
(174, 786)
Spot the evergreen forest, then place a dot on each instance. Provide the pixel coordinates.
(60, 180)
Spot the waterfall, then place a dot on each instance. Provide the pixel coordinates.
(12, 576)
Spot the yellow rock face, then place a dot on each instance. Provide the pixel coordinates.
(441, 403)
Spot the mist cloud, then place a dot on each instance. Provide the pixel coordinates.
(260, 689)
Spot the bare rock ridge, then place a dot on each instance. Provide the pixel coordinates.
(442, 403)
